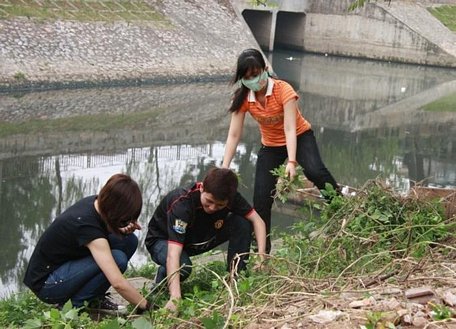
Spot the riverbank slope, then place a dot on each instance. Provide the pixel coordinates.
(62, 45)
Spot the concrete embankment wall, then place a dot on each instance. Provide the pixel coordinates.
(402, 32)
(399, 31)
(200, 40)
(194, 40)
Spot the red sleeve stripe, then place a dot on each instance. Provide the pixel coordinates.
(175, 242)
(250, 212)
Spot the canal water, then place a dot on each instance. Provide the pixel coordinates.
(371, 119)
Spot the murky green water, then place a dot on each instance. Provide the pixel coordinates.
(58, 146)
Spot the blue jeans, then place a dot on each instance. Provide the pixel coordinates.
(269, 158)
(236, 229)
(82, 280)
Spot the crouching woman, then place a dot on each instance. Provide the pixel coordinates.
(87, 248)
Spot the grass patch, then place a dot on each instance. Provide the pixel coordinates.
(446, 14)
(83, 10)
(19, 76)
(98, 122)
(444, 104)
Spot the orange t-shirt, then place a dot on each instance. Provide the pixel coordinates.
(271, 117)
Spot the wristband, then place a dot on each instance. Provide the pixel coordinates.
(293, 162)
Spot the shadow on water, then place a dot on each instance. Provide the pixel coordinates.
(58, 146)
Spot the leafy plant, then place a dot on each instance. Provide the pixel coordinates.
(16, 309)
(215, 321)
(67, 317)
(363, 233)
(441, 312)
(146, 271)
(286, 186)
(375, 321)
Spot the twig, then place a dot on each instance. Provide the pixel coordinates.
(381, 278)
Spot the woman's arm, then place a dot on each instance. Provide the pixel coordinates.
(172, 271)
(259, 228)
(101, 252)
(289, 110)
(234, 136)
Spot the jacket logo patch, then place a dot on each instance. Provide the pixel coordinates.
(218, 224)
(179, 226)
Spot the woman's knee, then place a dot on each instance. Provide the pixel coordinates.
(121, 259)
(131, 244)
(128, 243)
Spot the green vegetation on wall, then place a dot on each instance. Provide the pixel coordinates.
(444, 104)
(99, 122)
(82, 10)
(445, 14)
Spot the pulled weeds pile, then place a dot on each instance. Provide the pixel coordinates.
(372, 260)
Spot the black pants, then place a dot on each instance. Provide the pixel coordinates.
(269, 158)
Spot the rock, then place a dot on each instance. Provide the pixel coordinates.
(419, 321)
(326, 316)
(418, 292)
(407, 319)
(362, 303)
(138, 283)
(449, 298)
(390, 305)
(391, 291)
(401, 312)
(420, 295)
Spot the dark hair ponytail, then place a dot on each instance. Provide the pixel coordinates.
(249, 59)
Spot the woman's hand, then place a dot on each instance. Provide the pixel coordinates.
(290, 170)
(260, 264)
(171, 306)
(130, 228)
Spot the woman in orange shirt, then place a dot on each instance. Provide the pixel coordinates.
(285, 133)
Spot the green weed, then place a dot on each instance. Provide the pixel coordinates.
(441, 312)
(286, 186)
(16, 309)
(375, 320)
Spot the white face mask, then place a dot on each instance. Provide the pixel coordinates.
(256, 83)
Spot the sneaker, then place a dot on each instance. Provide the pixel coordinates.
(105, 305)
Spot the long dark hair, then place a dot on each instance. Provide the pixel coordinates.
(249, 59)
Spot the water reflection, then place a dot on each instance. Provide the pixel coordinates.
(370, 119)
(36, 189)
(366, 123)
